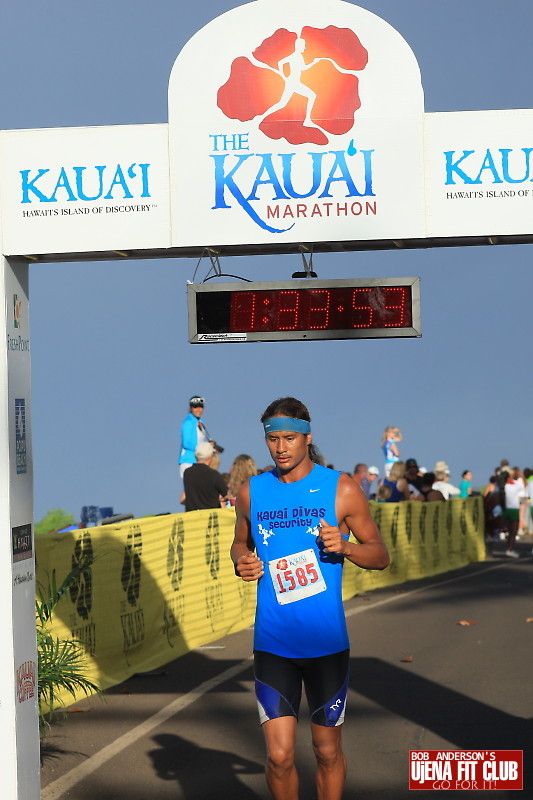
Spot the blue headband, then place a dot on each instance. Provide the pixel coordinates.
(286, 424)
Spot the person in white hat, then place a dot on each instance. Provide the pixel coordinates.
(203, 486)
(365, 476)
(442, 482)
(373, 473)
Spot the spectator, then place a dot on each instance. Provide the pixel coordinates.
(391, 436)
(413, 476)
(491, 486)
(397, 483)
(243, 467)
(427, 492)
(373, 473)
(519, 478)
(513, 491)
(365, 477)
(360, 475)
(442, 480)
(204, 487)
(492, 508)
(384, 493)
(193, 432)
(268, 468)
(224, 501)
(465, 487)
(501, 480)
(504, 466)
(529, 493)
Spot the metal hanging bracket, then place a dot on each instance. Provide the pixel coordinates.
(213, 257)
(306, 252)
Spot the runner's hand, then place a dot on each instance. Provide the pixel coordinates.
(332, 538)
(249, 567)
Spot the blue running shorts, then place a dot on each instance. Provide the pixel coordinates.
(278, 686)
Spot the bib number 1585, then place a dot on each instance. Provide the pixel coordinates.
(288, 581)
(296, 576)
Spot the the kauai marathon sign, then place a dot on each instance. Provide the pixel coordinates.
(290, 121)
(290, 137)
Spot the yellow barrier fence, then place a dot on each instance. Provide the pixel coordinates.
(423, 539)
(162, 586)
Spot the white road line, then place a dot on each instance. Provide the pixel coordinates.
(59, 787)
(401, 595)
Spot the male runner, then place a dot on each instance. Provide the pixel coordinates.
(298, 519)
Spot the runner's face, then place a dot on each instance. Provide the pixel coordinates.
(288, 449)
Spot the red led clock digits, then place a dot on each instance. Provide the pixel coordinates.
(363, 312)
(398, 298)
(320, 309)
(288, 306)
(242, 317)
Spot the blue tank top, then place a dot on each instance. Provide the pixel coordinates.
(396, 495)
(299, 598)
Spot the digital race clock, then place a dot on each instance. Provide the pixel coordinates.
(304, 309)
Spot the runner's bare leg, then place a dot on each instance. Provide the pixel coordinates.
(331, 762)
(281, 775)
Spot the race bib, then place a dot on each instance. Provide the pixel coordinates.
(297, 576)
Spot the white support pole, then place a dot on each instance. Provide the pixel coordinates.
(19, 752)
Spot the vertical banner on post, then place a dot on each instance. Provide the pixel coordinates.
(18, 670)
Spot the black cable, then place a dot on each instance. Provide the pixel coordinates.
(226, 275)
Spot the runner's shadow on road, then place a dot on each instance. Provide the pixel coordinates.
(202, 772)
(467, 723)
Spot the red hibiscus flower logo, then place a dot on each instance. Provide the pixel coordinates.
(299, 88)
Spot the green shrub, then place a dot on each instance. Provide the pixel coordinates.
(54, 520)
(61, 662)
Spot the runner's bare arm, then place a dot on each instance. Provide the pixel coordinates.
(352, 508)
(247, 565)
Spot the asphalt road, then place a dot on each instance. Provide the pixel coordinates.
(190, 731)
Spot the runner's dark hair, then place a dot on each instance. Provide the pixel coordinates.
(291, 407)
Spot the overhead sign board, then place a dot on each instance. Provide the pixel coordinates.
(307, 127)
(70, 190)
(479, 173)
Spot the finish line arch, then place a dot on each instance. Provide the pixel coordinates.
(172, 190)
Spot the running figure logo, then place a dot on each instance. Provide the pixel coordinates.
(266, 533)
(298, 87)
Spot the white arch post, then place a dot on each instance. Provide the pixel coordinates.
(19, 753)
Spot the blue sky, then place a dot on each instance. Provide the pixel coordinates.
(112, 370)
